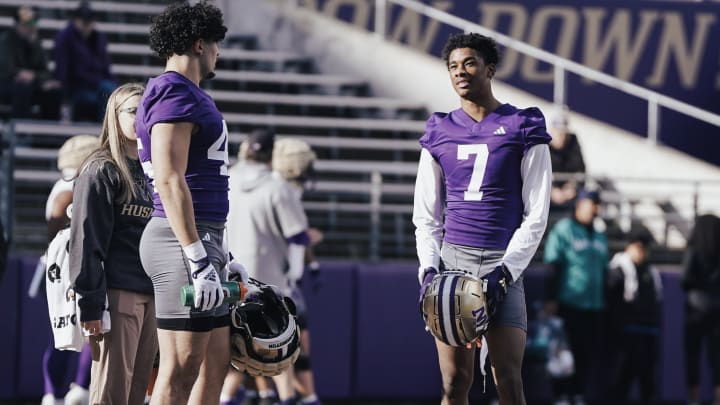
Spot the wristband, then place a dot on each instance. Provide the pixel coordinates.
(195, 251)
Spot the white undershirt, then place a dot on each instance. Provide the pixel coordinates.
(429, 205)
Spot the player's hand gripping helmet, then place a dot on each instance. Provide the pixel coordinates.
(264, 338)
(454, 308)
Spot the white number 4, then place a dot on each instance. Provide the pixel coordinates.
(481, 153)
(219, 150)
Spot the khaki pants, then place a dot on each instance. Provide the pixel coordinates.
(122, 359)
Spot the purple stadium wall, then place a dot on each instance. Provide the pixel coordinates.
(367, 337)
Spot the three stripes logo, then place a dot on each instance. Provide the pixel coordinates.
(499, 131)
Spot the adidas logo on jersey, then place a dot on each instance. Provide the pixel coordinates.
(500, 131)
(206, 238)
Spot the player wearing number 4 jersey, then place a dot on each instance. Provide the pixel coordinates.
(182, 142)
(481, 206)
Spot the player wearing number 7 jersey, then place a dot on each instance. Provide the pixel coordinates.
(182, 142)
(481, 206)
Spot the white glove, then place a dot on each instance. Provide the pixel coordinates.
(234, 267)
(206, 281)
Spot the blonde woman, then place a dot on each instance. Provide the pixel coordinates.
(111, 205)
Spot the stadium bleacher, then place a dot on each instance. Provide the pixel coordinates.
(355, 135)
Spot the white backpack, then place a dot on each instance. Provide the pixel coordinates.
(62, 299)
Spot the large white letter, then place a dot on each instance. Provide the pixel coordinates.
(361, 11)
(617, 38)
(409, 26)
(490, 13)
(568, 20)
(673, 40)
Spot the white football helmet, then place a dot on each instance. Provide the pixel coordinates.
(293, 159)
(264, 338)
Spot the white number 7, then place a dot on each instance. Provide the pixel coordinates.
(481, 153)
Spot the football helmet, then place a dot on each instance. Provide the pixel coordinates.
(264, 338)
(293, 159)
(75, 150)
(454, 308)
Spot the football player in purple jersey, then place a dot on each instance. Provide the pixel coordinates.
(182, 143)
(481, 204)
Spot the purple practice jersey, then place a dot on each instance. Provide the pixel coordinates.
(481, 162)
(171, 97)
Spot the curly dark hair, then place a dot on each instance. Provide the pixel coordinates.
(486, 47)
(181, 24)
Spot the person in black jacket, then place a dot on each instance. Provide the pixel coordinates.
(567, 160)
(634, 305)
(111, 206)
(701, 282)
(24, 75)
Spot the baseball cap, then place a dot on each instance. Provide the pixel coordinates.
(261, 141)
(589, 194)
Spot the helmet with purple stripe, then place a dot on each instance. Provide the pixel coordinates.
(454, 308)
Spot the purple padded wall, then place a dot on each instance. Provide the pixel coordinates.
(35, 334)
(9, 319)
(367, 337)
(330, 321)
(396, 358)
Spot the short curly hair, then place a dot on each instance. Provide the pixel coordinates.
(486, 47)
(181, 24)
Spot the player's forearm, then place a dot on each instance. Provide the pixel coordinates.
(537, 180)
(428, 207)
(177, 203)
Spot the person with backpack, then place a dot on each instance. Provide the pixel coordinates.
(57, 363)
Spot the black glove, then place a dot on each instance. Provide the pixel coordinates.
(428, 275)
(498, 281)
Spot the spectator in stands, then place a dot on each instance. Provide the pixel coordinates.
(111, 206)
(701, 282)
(577, 258)
(634, 307)
(267, 232)
(567, 160)
(481, 202)
(57, 362)
(82, 65)
(24, 76)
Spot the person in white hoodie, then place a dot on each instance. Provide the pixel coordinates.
(267, 231)
(634, 303)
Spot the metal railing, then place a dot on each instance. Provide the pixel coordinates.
(561, 66)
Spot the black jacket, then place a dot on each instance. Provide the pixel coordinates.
(105, 236)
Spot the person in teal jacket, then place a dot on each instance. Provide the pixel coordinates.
(576, 254)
